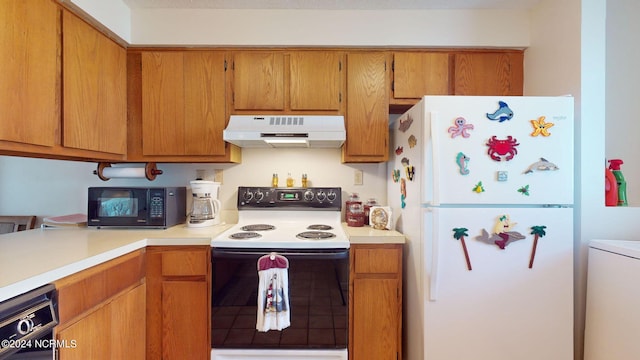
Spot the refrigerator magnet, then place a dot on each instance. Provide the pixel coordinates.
(412, 141)
(478, 188)
(460, 128)
(395, 175)
(462, 161)
(405, 124)
(499, 148)
(542, 165)
(537, 232)
(503, 233)
(399, 150)
(503, 113)
(524, 190)
(540, 127)
(459, 234)
(411, 171)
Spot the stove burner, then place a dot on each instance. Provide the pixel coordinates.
(319, 227)
(257, 227)
(244, 235)
(315, 235)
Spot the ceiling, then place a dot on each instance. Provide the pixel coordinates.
(334, 4)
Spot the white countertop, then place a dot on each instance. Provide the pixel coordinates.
(32, 258)
(630, 248)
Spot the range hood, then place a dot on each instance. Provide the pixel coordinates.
(286, 131)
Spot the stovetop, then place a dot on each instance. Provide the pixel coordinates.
(286, 218)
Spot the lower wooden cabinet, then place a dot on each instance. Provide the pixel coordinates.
(179, 302)
(102, 311)
(375, 305)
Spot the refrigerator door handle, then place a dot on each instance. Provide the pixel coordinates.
(435, 256)
(435, 158)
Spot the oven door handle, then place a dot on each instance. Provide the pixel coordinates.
(245, 253)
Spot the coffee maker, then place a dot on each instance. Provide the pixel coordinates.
(205, 206)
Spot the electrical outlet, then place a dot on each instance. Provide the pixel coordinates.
(357, 177)
(217, 177)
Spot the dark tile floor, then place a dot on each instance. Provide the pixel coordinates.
(318, 315)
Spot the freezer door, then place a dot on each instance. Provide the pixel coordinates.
(471, 159)
(503, 303)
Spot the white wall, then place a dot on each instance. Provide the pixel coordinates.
(623, 127)
(54, 187)
(114, 14)
(447, 28)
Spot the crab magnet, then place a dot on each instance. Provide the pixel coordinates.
(540, 127)
(503, 113)
(462, 161)
(498, 148)
(460, 128)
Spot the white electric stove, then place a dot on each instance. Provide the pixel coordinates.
(286, 218)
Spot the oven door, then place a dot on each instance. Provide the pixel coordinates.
(318, 301)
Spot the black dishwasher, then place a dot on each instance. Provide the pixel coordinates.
(26, 325)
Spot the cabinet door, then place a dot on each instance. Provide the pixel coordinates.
(29, 72)
(91, 335)
(499, 73)
(416, 74)
(185, 330)
(128, 319)
(367, 108)
(94, 89)
(375, 319)
(205, 115)
(162, 103)
(258, 80)
(315, 79)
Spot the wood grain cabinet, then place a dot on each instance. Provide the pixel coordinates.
(282, 81)
(416, 74)
(489, 73)
(177, 107)
(102, 311)
(375, 305)
(179, 302)
(94, 89)
(29, 74)
(367, 118)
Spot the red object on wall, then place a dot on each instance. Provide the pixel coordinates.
(610, 188)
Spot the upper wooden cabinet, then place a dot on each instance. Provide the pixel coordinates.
(367, 119)
(94, 89)
(177, 107)
(416, 74)
(488, 73)
(287, 81)
(29, 73)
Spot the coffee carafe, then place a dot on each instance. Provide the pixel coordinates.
(205, 206)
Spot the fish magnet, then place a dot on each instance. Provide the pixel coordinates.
(542, 165)
(503, 113)
(405, 123)
(411, 171)
(412, 141)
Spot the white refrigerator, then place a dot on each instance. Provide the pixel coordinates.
(482, 187)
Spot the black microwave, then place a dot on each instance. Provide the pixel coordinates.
(136, 207)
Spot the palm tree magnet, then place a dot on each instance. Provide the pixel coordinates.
(459, 234)
(537, 232)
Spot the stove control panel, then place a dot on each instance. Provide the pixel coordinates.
(312, 198)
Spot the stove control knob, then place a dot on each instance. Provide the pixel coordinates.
(248, 195)
(331, 196)
(321, 196)
(308, 195)
(259, 195)
(25, 326)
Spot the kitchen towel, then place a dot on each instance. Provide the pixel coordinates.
(273, 293)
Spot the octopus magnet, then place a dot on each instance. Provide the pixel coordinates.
(460, 128)
(503, 113)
